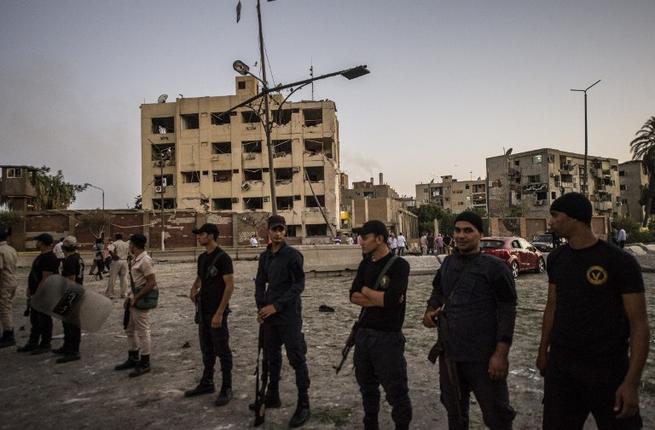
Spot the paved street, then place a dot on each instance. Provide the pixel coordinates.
(89, 394)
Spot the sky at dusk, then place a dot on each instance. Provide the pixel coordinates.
(451, 82)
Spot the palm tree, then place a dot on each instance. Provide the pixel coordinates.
(643, 148)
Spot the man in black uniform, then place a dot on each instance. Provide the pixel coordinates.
(595, 313)
(44, 265)
(73, 269)
(477, 294)
(211, 292)
(280, 281)
(379, 342)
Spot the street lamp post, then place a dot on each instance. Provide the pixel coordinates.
(103, 193)
(586, 139)
(243, 69)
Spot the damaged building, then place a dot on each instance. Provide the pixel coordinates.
(213, 162)
(527, 183)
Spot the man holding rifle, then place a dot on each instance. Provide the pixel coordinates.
(474, 299)
(379, 288)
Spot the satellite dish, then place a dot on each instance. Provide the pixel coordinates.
(162, 98)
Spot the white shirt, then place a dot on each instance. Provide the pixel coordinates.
(402, 243)
(253, 242)
(121, 248)
(620, 236)
(58, 251)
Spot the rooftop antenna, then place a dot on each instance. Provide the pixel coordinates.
(311, 75)
(162, 98)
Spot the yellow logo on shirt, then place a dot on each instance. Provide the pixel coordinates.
(384, 282)
(597, 275)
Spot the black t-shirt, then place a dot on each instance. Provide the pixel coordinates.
(74, 266)
(46, 262)
(211, 269)
(590, 321)
(392, 315)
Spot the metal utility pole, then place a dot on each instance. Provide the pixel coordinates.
(585, 190)
(267, 113)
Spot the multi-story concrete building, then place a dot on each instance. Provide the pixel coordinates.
(17, 187)
(453, 195)
(632, 177)
(527, 183)
(220, 162)
(367, 200)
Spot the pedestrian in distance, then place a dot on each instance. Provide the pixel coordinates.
(143, 297)
(119, 250)
(402, 244)
(44, 265)
(279, 283)
(379, 288)
(8, 285)
(72, 269)
(595, 334)
(474, 301)
(211, 293)
(621, 237)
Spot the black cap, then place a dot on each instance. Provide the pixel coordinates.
(575, 205)
(139, 240)
(45, 239)
(373, 226)
(473, 218)
(276, 221)
(207, 228)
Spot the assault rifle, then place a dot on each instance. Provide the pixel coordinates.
(261, 379)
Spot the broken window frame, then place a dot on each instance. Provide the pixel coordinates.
(221, 148)
(228, 206)
(156, 150)
(310, 201)
(222, 175)
(316, 230)
(282, 116)
(282, 148)
(253, 175)
(189, 176)
(312, 173)
(283, 175)
(312, 117)
(253, 203)
(167, 122)
(219, 118)
(284, 202)
(189, 120)
(321, 145)
(169, 177)
(251, 146)
(169, 203)
(250, 117)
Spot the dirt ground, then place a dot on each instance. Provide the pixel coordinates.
(35, 392)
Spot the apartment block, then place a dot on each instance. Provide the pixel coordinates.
(527, 183)
(219, 163)
(632, 177)
(453, 195)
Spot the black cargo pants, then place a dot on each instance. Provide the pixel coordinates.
(380, 360)
(293, 339)
(215, 342)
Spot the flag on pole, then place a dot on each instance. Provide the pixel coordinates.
(238, 11)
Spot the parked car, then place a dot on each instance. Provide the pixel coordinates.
(517, 252)
(547, 242)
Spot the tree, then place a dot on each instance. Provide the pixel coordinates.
(643, 148)
(95, 221)
(52, 191)
(8, 219)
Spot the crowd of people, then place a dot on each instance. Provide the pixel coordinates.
(594, 338)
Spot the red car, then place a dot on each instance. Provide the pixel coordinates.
(517, 252)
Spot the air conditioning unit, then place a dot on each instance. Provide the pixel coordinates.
(245, 186)
(159, 189)
(266, 199)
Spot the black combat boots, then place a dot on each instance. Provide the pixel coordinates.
(225, 394)
(205, 386)
(302, 414)
(130, 363)
(142, 367)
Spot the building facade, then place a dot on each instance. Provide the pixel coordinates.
(525, 184)
(453, 195)
(194, 157)
(632, 177)
(17, 187)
